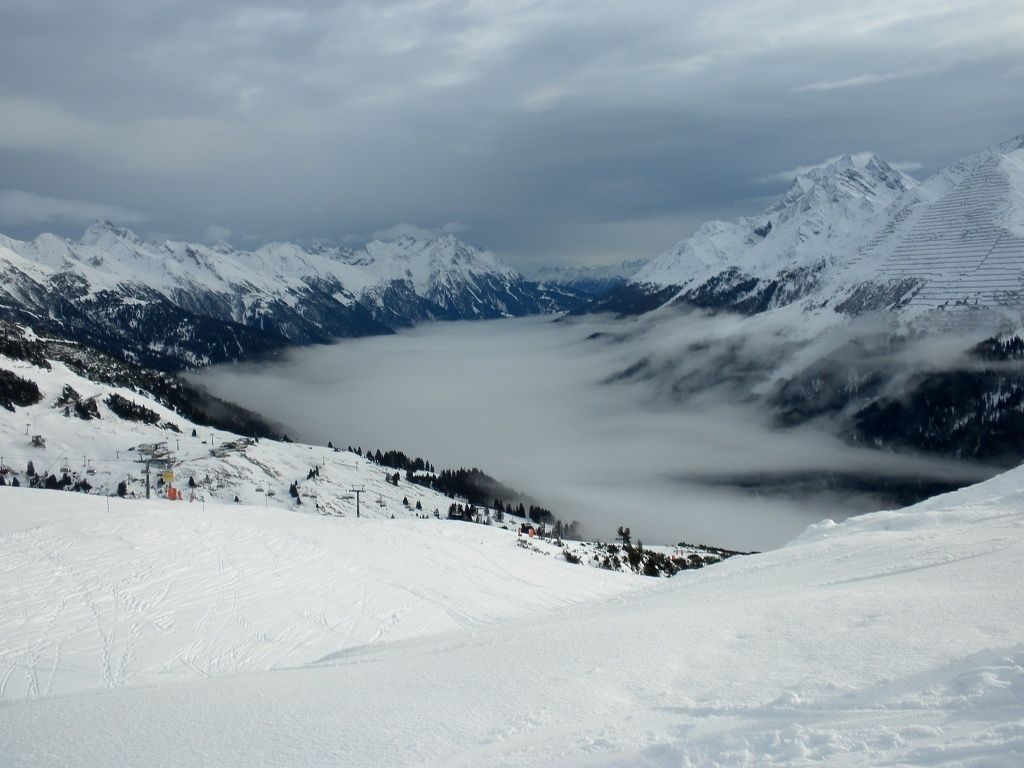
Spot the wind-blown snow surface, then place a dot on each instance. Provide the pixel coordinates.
(891, 639)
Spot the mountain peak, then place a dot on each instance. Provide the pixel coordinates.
(1011, 145)
(861, 167)
(850, 178)
(449, 239)
(101, 231)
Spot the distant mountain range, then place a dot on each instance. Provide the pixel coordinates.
(853, 236)
(172, 305)
(589, 280)
(856, 235)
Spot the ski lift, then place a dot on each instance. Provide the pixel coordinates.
(347, 497)
(380, 501)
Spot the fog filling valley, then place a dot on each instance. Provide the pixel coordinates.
(645, 422)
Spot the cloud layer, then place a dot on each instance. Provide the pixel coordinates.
(524, 400)
(541, 127)
(24, 208)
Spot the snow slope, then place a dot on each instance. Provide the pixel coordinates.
(958, 236)
(103, 452)
(153, 592)
(891, 639)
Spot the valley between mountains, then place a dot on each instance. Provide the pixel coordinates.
(754, 501)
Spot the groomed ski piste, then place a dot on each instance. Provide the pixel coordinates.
(163, 634)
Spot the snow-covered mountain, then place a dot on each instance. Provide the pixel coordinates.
(175, 304)
(856, 235)
(886, 310)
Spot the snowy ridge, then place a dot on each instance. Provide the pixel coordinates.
(858, 235)
(116, 291)
(823, 213)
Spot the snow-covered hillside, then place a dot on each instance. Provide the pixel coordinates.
(103, 451)
(160, 634)
(174, 304)
(856, 235)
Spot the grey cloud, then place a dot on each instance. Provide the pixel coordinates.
(526, 121)
(18, 207)
(790, 174)
(856, 81)
(404, 229)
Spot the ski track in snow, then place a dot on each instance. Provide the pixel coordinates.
(161, 593)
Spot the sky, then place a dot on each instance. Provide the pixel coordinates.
(550, 132)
